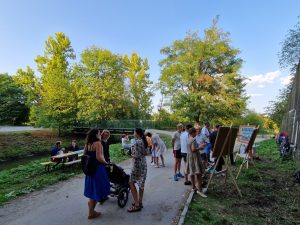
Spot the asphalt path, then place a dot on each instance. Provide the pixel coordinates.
(17, 128)
(64, 202)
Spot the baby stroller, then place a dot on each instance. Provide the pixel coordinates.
(284, 145)
(119, 184)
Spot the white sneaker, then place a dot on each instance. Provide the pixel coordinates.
(152, 164)
(201, 194)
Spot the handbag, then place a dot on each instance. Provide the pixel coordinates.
(89, 165)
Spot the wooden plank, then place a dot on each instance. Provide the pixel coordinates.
(72, 162)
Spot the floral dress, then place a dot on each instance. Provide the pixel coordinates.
(139, 164)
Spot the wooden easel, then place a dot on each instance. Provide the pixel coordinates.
(223, 147)
(248, 149)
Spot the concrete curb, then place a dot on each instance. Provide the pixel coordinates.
(185, 209)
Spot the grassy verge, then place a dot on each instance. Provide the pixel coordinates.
(167, 139)
(32, 176)
(20, 144)
(274, 200)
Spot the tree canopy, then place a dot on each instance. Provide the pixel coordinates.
(289, 55)
(13, 109)
(201, 76)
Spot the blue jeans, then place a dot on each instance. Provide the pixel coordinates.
(207, 148)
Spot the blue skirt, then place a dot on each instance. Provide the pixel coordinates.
(97, 187)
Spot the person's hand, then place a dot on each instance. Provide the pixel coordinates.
(202, 145)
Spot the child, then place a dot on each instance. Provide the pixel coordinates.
(150, 145)
(194, 162)
(158, 148)
(125, 143)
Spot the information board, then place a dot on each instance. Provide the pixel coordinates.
(245, 132)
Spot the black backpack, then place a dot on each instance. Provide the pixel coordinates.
(89, 165)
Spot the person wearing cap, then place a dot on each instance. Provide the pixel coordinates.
(177, 151)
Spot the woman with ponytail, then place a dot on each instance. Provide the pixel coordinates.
(139, 170)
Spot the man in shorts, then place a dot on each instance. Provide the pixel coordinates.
(184, 138)
(177, 151)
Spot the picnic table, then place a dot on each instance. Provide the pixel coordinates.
(63, 160)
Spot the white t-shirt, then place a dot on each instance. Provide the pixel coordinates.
(184, 138)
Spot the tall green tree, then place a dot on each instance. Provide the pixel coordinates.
(99, 80)
(139, 85)
(278, 107)
(13, 109)
(289, 56)
(30, 85)
(201, 76)
(58, 106)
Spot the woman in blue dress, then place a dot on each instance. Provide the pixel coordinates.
(97, 186)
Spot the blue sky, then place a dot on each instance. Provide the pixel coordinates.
(257, 27)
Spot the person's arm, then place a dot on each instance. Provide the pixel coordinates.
(99, 153)
(194, 146)
(154, 143)
(173, 141)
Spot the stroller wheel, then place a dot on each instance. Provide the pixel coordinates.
(123, 197)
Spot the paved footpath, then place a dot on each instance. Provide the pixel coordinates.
(65, 204)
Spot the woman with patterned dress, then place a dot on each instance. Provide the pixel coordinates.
(194, 165)
(139, 170)
(97, 186)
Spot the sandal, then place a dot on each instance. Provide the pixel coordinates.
(94, 215)
(141, 205)
(134, 209)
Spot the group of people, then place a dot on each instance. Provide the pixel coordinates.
(193, 145)
(59, 150)
(156, 147)
(97, 186)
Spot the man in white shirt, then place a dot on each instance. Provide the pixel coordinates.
(184, 138)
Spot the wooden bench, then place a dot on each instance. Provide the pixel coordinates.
(72, 162)
(48, 164)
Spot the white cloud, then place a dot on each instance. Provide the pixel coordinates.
(286, 80)
(255, 94)
(261, 80)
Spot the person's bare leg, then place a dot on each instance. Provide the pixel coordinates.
(92, 212)
(193, 181)
(179, 165)
(157, 162)
(175, 166)
(162, 160)
(134, 194)
(186, 177)
(141, 195)
(199, 181)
